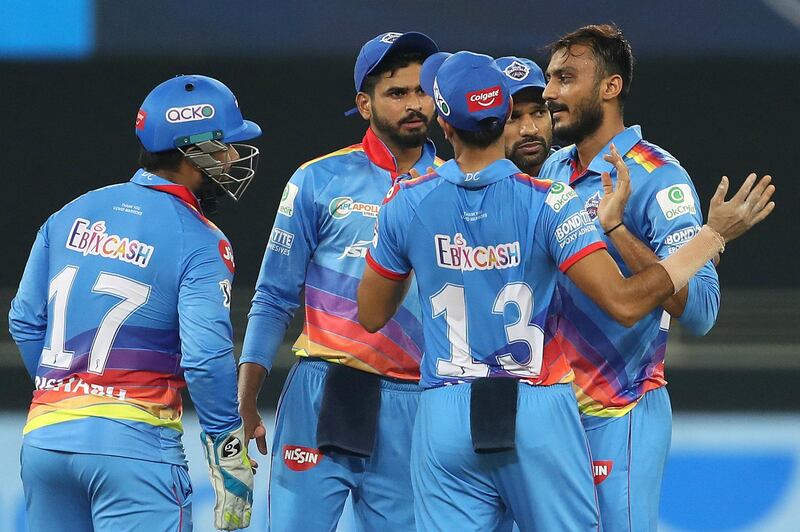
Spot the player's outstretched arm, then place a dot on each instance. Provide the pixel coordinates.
(378, 299)
(629, 300)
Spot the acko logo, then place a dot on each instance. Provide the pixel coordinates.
(601, 469)
(342, 207)
(141, 116)
(226, 252)
(484, 99)
(517, 71)
(190, 113)
(299, 458)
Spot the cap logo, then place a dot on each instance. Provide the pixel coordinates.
(484, 99)
(190, 113)
(390, 37)
(141, 116)
(517, 71)
(441, 104)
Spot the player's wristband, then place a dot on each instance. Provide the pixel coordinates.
(615, 227)
(685, 262)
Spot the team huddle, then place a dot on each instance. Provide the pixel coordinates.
(484, 337)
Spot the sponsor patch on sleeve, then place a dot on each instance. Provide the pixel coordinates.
(280, 241)
(676, 200)
(225, 288)
(226, 252)
(559, 195)
(286, 206)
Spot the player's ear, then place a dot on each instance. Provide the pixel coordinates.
(611, 87)
(364, 105)
(447, 129)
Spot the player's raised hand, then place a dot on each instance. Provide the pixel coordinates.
(612, 205)
(750, 205)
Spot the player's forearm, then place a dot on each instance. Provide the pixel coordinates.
(251, 379)
(638, 256)
(629, 300)
(212, 386)
(378, 299)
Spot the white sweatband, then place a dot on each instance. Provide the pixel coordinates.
(684, 263)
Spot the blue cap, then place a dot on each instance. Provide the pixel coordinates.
(521, 73)
(373, 52)
(467, 88)
(190, 109)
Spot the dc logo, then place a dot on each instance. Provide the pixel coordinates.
(390, 37)
(231, 447)
(472, 176)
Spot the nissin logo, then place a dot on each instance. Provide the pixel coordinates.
(601, 469)
(484, 99)
(299, 458)
(190, 113)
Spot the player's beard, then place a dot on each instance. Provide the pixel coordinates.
(587, 117)
(527, 163)
(400, 138)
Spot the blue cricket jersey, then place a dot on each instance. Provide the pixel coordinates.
(317, 245)
(486, 249)
(125, 300)
(614, 365)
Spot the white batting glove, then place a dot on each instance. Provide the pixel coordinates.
(231, 477)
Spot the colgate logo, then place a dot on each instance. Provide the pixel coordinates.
(601, 469)
(299, 458)
(484, 99)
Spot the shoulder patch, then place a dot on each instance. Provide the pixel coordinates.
(676, 200)
(226, 253)
(647, 156)
(559, 195)
(286, 206)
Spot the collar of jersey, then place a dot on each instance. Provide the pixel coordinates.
(147, 179)
(499, 169)
(382, 157)
(624, 141)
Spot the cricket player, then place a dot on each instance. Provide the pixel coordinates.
(347, 409)
(619, 370)
(528, 134)
(124, 301)
(486, 243)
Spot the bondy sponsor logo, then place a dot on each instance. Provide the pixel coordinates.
(343, 206)
(281, 241)
(484, 99)
(601, 469)
(91, 239)
(357, 249)
(573, 227)
(559, 195)
(454, 253)
(286, 206)
(190, 113)
(299, 458)
(675, 201)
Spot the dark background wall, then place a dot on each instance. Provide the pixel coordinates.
(68, 128)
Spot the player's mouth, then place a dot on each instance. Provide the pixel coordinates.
(531, 148)
(413, 123)
(557, 109)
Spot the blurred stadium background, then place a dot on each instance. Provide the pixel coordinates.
(716, 83)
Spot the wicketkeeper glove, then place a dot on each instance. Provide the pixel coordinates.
(231, 477)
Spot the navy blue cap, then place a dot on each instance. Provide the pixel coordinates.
(466, 87)
(374, 50)
(521, 73)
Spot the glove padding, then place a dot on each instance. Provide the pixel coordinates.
(231, 477)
